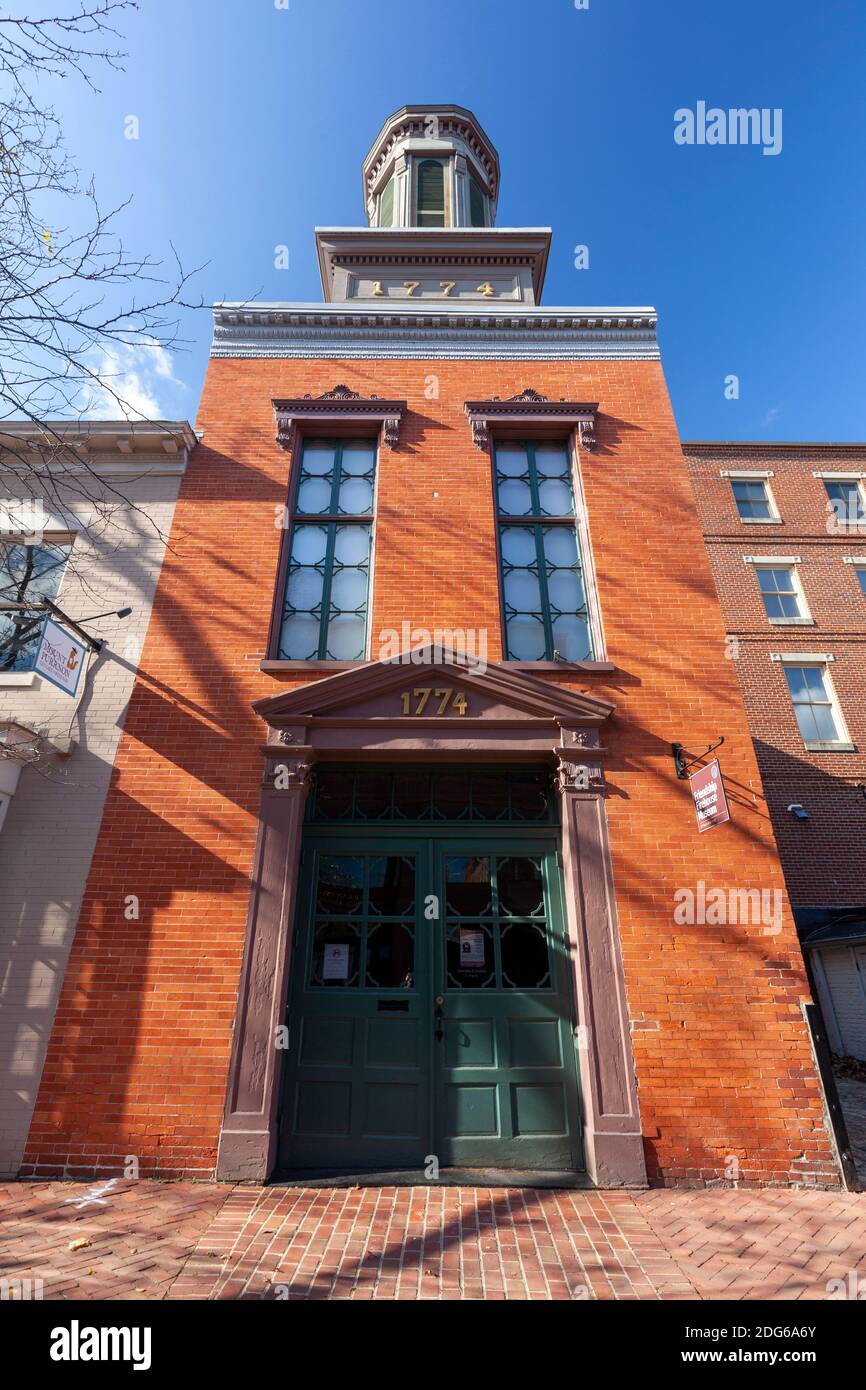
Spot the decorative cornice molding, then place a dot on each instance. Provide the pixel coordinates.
(516, 689)
(497, 332)
(412, 122)
(105, 448)
(530, 407)
(451, 248)
(341, 404)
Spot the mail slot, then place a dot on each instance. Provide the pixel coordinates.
(393, 1006)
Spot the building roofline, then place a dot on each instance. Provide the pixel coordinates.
(434, 329)
(101, 429)
(258, 308)
(69, 446)
(754, 446)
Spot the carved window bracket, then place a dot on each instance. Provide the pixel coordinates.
(530, 408)
(339, 406)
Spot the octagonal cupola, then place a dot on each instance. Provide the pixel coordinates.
(431, 166)
(431, 185)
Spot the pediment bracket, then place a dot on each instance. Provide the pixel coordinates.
(340, 405)
(531, 408)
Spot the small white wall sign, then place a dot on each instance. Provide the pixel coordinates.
(335, 965)
(60, 658)
(471, 948)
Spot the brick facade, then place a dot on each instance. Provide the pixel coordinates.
(138, 1059)
(824, 857)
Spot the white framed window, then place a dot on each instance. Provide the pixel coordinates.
(816, 707)
(28, 573)
(859, 564)
(780, 588)
(846, 499)
(754, 498)
(781, 594)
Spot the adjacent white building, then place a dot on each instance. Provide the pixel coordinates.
(86, 527)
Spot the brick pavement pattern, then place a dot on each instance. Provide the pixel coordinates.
(184, 1240)
(139, 1234)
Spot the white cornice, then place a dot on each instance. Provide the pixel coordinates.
(498, 332)
(106, 448)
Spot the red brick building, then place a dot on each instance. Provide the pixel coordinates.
(393, 865)
(785, 527)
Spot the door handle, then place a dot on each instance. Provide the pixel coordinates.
(440, 1030)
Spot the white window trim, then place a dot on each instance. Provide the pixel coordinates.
(746, 473)
(854, 559)
(840, 477)
(803, 658)
(581, 519)
(18, 679)
(774, 519)
(787, 562)
(772, 560)
(820, 660)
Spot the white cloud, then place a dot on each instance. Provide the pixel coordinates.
(130, 382)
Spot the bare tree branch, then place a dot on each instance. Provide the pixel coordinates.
(73, 299)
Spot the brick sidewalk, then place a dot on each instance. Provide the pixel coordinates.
(852, 1095)
(204, 1241)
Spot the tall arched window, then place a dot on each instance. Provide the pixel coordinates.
(430, 193)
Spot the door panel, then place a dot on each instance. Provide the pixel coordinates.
(506, 1078)
(356, 1085)
(430, 1007)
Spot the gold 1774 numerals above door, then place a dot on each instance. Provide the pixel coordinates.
(427, 700)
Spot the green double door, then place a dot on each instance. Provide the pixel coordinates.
(430, 1011)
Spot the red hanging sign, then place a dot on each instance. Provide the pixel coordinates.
(708, 792)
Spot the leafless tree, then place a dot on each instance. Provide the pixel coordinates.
(72, 298)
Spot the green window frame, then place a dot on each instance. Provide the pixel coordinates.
(325, 601)
(430, 192)
(544, 598)
(386, 204)
(441, 794)
(477, 198)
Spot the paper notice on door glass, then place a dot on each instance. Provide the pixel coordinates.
(471, 948)
(335, 965)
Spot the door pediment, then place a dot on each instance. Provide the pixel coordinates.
(387, 691)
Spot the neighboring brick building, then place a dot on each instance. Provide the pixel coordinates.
(85, 525)
(404, 912)
(785, 527)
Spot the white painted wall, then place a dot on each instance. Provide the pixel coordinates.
(52, 820)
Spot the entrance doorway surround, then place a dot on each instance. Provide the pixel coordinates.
(496, 714)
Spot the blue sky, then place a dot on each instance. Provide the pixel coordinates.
(254, 121)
